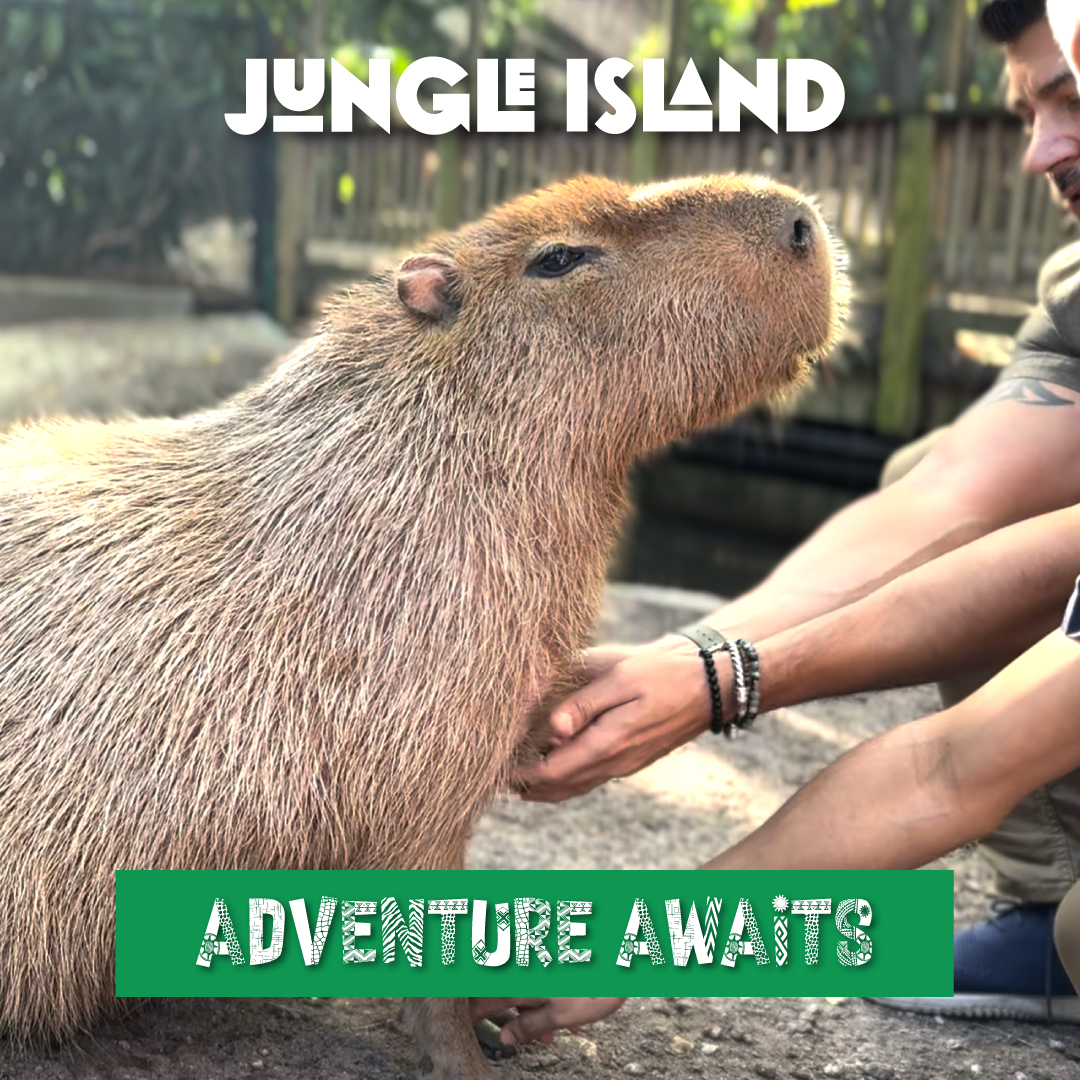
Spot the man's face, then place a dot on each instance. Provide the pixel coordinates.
(1042, 90)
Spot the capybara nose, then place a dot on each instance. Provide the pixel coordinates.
(802, 234)
(796, 228)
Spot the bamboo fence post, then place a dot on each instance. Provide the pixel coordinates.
(896, 408)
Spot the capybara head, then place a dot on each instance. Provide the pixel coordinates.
(668, 306)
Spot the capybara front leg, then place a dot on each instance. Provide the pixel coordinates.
(443, 1032)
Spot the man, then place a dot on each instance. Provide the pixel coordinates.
(949, 569)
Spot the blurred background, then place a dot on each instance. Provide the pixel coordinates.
(153, 262)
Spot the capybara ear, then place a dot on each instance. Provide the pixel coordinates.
(423, 284)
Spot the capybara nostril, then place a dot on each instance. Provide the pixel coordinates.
(802, 233)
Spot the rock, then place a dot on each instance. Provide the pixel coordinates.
(709, 1048)
(649, 611)
(955, 1044)
(544, 1060)
(767, 1072)
(488, 1035)
(679, 1045)
(880, 1072)
(633, 1068)
(576, 1046)
(104, 369)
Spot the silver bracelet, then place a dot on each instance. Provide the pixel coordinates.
(742, 697)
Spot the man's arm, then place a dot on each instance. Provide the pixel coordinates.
(917, 792)
(983, 603)
(924, 788)
(1004, 461)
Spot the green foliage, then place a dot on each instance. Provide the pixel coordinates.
(111, 129)
(113, 134)
(889, 55)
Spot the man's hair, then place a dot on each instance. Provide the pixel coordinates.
(1004, 21)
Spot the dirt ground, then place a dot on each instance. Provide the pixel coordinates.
(673, 815)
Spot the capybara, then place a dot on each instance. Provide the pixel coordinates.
(317, 626)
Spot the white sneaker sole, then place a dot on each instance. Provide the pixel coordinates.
(1065, 1010)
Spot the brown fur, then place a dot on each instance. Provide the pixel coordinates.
(308, 629)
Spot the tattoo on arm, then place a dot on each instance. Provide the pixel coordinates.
(1026, 391)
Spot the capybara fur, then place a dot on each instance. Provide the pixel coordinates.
(317, 626)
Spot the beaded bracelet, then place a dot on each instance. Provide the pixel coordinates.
(745, 671)
(752, 665)
(709, 641)
(742, 693)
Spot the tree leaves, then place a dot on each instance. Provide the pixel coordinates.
(113, 136)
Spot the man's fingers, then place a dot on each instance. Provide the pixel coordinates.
(539, 1017)
(580, 709)
(492, 1006)
(557, 1013)
(532, 1023)
(578, 766)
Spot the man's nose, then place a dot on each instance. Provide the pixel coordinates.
(1051, 144)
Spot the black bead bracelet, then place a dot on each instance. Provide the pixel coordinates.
(745, 671)
(709, 642)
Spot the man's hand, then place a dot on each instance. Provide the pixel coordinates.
(540, 1018)
(632, 712)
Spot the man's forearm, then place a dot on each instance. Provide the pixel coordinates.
(917, 792)
(869, 543)
(982, 604)
(1004, 461)
(906, 816)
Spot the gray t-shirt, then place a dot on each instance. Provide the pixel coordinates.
(1048, 343)
(1048, 347)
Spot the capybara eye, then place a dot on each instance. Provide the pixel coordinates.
(556, 261)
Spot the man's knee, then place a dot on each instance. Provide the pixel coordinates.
(1067, 933)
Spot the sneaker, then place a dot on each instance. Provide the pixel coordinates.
(1006, 967)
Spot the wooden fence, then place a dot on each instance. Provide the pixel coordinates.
(992, 225)
(943, 227)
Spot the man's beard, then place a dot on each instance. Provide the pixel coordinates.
(1063, 181)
